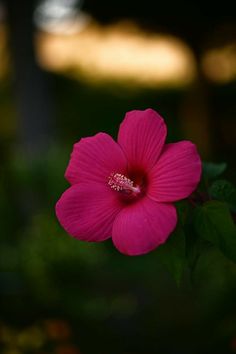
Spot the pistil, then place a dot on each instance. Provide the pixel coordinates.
(120, 183)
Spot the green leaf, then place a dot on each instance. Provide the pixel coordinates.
(213, 276)
(224, 191)
(212, 170)
(194, 246)
(213, 222)
(183, 209)
(172, 253)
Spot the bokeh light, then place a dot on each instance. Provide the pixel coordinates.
(121, 52)
(219, 64)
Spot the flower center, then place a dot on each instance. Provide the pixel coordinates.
(121, 183)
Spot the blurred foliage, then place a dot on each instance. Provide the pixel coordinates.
(45, 273)
(173, 253)
(214, 223)
(47, 336)
(177, 299)
(213, 170)
(224, 191)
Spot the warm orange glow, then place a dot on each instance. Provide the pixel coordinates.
(3, 52)
(219, 64)
(121, 53)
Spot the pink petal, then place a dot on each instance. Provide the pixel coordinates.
(94, 159)
(87, 211)
(142, 135)
(143, 226)
(176, 174)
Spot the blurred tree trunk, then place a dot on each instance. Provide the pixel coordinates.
(33, 104)
(30, 83)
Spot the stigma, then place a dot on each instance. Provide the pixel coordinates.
(121, 183)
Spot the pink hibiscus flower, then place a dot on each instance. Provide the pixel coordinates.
(125, 190)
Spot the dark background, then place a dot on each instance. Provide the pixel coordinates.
(59, 295)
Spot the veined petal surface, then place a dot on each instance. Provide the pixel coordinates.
(141, 227)
(87, 211)
(94, 159)
(142, 135)
(176, 174)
